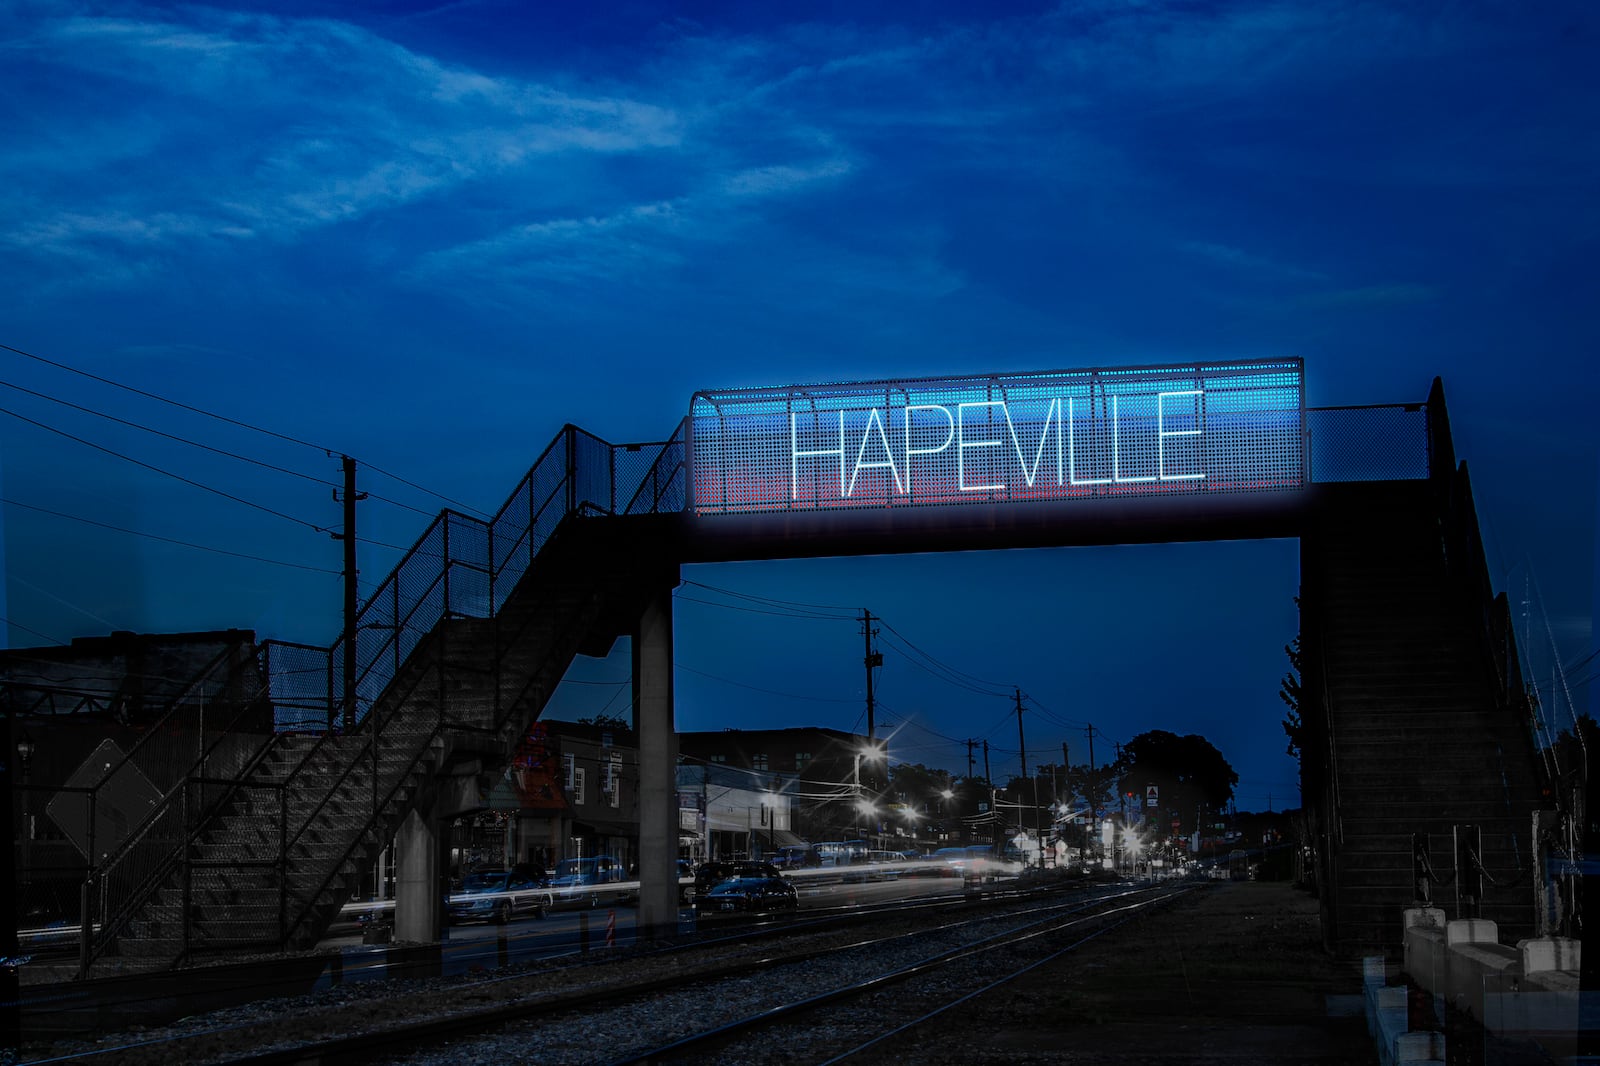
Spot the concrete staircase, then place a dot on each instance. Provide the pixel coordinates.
(1418, 739)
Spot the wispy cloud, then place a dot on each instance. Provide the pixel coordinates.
(269, 128)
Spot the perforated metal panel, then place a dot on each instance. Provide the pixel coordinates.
(1061, 435)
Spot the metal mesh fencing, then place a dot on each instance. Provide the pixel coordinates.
(659, 487)
(1375, 443)
(1065, 435)
(300, 684)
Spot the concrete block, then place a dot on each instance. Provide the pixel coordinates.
(1516, 1009)
(1418, 1047)
(1387, 1016)
(1422, 917)
(1373, 971)
(1471, 931)
(1552, 981)
(1550, 953)
(1424, 949)
(1469, 965)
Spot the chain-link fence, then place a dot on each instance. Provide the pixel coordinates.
(1387, 442)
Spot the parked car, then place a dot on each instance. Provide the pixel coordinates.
(708, 875)
(498, 896)
(578, 880)
(753, 894)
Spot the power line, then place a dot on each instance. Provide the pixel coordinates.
(203, 446)
(958, 678)
(768, 691)
(179, 477)
(163, 433)
(412, 484)
(35, 632)
(163, 399)
(235, 422)
(167, 540)
(789, 608)
(753, 610)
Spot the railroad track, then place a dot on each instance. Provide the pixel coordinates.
(655, 1009)
(892, 1016)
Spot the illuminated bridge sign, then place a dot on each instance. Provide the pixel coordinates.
(1227, 427)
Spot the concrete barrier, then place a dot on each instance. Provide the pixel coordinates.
(1417, 1048)
(1474, 954)
(1538, 1000)
(1528, 993)
(1424, 947)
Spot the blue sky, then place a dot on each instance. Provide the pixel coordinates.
(430, 235)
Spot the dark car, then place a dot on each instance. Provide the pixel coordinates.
(709, 875)
(750, 894)
(498, 896)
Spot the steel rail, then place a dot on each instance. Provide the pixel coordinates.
(996, 983)
(698, 1045)
(363, 1047)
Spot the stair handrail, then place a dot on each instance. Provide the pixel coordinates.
(1468, 567)
(568, 499)
(565, 494)
(564, 449)
(672, 453)
(97, 937)
(377, 823)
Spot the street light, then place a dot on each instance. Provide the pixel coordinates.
(871, 752)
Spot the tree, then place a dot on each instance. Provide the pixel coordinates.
(1188, 772)
(608, 721)
(916, 785)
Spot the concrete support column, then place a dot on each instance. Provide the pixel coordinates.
(658, 766)
(418, 907)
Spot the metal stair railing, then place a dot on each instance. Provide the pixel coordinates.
(575, 471)
(1468, 567)
(116, 885)
(411, 603)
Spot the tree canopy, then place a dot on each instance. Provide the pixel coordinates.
(1188, 772)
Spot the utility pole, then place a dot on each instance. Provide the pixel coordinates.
(970, 745)
(1066, 786)
(350, 499)
(873, 658)
(994, 814)
(1122, 805)
(1022, 746)
(1094, 811)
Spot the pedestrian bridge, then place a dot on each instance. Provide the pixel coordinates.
(1413, 702)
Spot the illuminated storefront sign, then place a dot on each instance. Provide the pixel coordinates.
(1062, 435)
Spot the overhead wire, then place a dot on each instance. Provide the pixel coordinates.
(166, 540)
(680, 597)
(768, 691)
(239, 423)
(35, 632)
(168, 473)
(773, 601)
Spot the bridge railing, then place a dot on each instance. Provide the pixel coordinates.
(1375, 442)
(466, 567)
(214, 730)
(459, 567)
